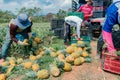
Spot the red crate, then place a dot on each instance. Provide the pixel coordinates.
(98, 8)
(110, 63)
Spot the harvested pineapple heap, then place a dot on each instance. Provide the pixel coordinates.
(63, 60)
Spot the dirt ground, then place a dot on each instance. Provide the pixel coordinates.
(89, 71)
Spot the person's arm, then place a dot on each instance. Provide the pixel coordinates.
(29, 30)
(106, 33)
(107, 37)
(13, 29)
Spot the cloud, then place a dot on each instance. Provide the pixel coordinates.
(30, 4)
(56, 5)
(11, 6)
(1, 1)
(66, 4)
(46, 5)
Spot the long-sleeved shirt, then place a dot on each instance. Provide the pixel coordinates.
(74, 21)
(110, 20)
(15, 29)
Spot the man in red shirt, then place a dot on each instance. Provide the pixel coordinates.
(87, 9)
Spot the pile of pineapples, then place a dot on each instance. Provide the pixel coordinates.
(62, 61)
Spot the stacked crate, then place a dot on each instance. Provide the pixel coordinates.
(74, 5)
(54, 24)
(57, 25)
(98, 9)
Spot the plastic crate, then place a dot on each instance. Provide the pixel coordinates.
(73, 40)
(97, 3)
(98, 14)
(84, 31)
(86, 39)
(79, 14)
(74, 5)
(97, 8)
(57, 23)
(59, 32)
(110, 63)
(96, 33)
(54, 24)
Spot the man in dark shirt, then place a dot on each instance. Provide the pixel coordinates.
(20, 25)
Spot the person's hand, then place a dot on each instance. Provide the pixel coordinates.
(113, 53)
(22, 43)
(1, 61)
(79, 38)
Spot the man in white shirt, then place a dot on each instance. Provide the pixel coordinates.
(72, 21)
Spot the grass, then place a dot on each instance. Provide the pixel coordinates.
(43, 32)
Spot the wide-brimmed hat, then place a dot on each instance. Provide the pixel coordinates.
(22, 21)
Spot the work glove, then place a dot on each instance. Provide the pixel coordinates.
(113, 53)
(79, 39)
(22, 43)
(1, 61)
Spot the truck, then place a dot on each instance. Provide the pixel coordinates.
(99, 9)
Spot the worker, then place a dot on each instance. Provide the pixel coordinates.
(20, 25)
(112, 18)
(87, 9)
(71, 21)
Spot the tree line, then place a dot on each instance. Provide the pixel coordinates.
(35, 14)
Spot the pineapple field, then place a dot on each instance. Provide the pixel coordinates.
(46, 58)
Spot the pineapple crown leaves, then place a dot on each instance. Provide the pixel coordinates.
(118, 53)
(31, 74)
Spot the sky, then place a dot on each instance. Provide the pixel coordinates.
(47, 6)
